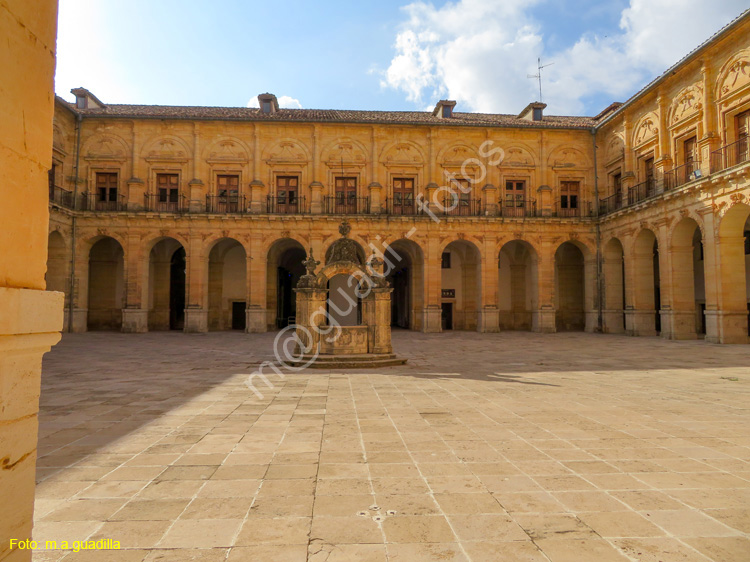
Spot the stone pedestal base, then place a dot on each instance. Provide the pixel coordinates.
(726, 326)
(134, 320)
(432, 323)
(592, 321)
(613, 322)
(543, 320)
(196, 320)
(255, 320)
(678, 325)
(489, 319)
(640, 322)
(30, 322)
(80, 320)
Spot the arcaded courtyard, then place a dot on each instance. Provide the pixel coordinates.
(484, 447)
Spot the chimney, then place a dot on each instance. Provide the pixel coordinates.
(268, 103)
(86, 100)
(444, 109)
(533, 111)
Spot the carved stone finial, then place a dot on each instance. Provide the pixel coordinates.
(376, 263)
(310, 263)
(344, 228)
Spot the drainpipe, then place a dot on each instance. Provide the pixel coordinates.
(599, 276)
(73, 229)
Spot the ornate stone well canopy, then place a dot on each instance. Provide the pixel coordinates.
(344, 310)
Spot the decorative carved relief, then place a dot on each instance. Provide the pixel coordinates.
(687, 103)
(228, 150)
(105, 146)
(568, 158)
(344, 151)
(402, 153)
(646, 129)
(615, 148)
(287, 151)
(166, 148)
(517, 157)
(736, 75)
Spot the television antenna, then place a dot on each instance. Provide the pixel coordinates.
(538, 75)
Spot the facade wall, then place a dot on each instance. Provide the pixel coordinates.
(644, 252)
(30, 317)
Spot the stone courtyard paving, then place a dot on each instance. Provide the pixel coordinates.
(484, 447)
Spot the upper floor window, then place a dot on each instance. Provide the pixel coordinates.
(287, 194)
(569, 194)
(106, 186)
(346, 190)
(403, 195)
(168, 188)
(228, 185)
(648, 171)
(742, 123)
(515, 192)
(617, 184)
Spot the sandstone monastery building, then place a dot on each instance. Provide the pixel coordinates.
(632, 221)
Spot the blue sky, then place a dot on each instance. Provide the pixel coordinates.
(387, 55)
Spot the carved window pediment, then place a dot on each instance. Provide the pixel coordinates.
(646, 130)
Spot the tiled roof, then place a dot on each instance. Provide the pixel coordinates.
(331, 116)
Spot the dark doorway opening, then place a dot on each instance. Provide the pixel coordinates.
(238, 315)
(400, 306)
(447, 316)
(177, 290)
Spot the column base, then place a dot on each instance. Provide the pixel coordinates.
(196, 320)
(613, 322)
(80, 320)
(489, 319)
(726, 326)
(433, 320)
(640, 322)
(255, 320)
(134, 320)
(592, 321)
(678, 325)
(543, 320)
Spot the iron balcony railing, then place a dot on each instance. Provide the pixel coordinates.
(62, 197)
(402, 207)
(156, 202)
(512, 207)
(730, 155)
(104, 203)
(277, 205)
(643, 190)
(581, 209)
(226, 204)
(340, 205)
(681, 175)
(612, 203)
(457, 207)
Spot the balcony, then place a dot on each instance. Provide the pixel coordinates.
(282, 206)
(730, 155)
(226, 204)
(338, 205)
(157, 203)
(581, 209)
(402, 207)
(61, 197)
(461, 207)
(681, 175)
(516, 208)
(612, 203)
(94, 202)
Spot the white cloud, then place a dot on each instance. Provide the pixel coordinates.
(479, 52)
(285, 102)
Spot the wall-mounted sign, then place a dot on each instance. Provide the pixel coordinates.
(449, 293)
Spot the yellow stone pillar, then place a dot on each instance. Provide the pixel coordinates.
(30, 317)
(432, 318)
(489, 315)
(256, 321)
(543, 318)
(135, 312)
(196, 281)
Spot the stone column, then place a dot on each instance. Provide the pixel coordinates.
(432, 319)
(663, 161)
(590, 294)
(543, 319)
(376, 200)
(489, 315)
(196, 313)
(80, 296)
(135, 312)
(316, 198)
(489, 200)
(30, 317)
(710, 140)
(256, 320)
